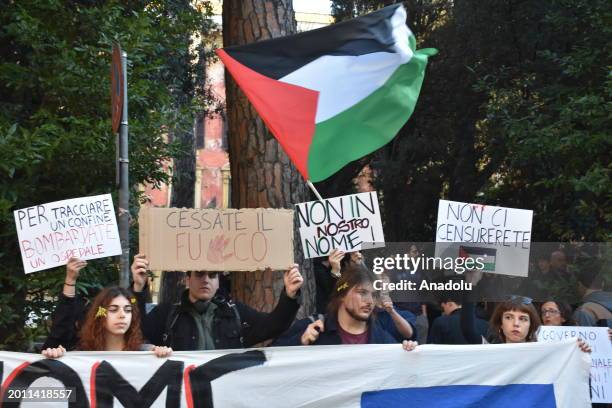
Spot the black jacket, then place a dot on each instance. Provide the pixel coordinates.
(235, 325)
(67, 317)
(446, 329)
(330, 336)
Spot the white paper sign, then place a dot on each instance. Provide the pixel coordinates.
(601, 354)
(483, 375)
(345, 222)
(500, 236)
(50, 234)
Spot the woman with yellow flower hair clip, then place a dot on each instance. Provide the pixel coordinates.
(112, 323)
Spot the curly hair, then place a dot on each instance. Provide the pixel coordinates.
(93, 333)
(564, 308)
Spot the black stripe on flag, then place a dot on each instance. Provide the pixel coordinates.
(479, 250)
(280, 56)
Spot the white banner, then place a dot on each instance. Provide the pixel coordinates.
(521, 375)
(601, 355)
(50, 234)
(345, 222)
(500, 236)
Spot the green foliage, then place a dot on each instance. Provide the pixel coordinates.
(514, 111)
(556, 118)
(55, 124)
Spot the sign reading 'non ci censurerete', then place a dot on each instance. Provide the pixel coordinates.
(500, 236)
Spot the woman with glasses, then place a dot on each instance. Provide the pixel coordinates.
(556, 313)
(112, 323)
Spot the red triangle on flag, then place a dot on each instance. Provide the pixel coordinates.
(288, 110)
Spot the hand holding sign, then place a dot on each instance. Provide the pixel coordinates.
(334, 259)
(216, 248)
(293, 281)
(73, 268)
(139, 272)
(584, 346)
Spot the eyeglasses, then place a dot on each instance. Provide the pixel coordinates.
(551, 312)
(522, 300)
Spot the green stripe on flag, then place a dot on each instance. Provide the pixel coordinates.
(369, 124)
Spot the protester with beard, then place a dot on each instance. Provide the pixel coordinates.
(348, 319)
(328, 272)
(206, 320)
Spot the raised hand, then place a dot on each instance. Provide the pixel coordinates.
(388, 305)
(139, 272)
(293, 281)
(73, 269)
(334, 258)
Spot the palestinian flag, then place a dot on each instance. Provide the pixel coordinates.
(335, 94)
(486, 255)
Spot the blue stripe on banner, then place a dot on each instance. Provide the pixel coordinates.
(456, 396)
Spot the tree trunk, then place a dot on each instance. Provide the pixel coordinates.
(262, 174)
(183, 195)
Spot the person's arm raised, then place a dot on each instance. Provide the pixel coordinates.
(73, 269)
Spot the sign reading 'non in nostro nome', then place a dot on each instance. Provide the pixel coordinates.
(346, 222)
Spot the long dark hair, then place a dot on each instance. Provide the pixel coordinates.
(93, 334)
(354, 275)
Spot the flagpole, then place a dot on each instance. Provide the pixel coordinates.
(314, 190)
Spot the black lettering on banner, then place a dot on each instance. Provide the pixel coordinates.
(109, 384)
(52, 369)
(200, 378)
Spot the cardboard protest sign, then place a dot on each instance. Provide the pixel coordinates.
(185, 239)
(500, 237)
(601, 355)
(344, 222)
(50, 234)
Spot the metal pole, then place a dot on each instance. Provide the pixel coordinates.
(124, 188)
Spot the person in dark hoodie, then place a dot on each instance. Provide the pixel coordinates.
(596, 307)
(205, 320)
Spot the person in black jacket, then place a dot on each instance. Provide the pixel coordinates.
(70, 310)
(204, 320)
(446, 329)
(349, 319)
